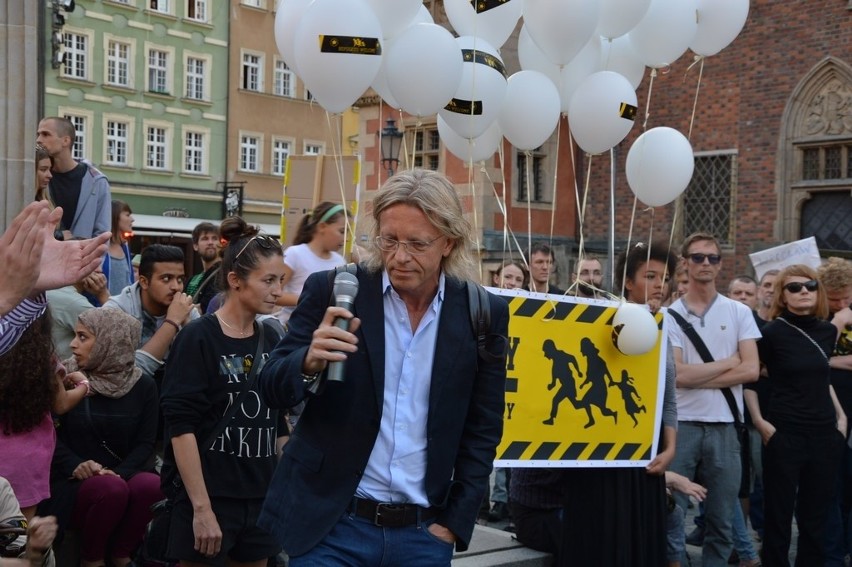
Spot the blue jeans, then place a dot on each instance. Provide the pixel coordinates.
(743, 542)
(715, 448)
(358, 541)
(500, 492)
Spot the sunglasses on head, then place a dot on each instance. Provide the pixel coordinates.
(264, 240)
(796, 287)
(699, 258)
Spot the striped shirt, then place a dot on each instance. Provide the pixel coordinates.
(15, 322)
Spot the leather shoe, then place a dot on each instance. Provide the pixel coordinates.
(499, 511)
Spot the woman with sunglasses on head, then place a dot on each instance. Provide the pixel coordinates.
(223, 481)
(315, 248)
(804, 429)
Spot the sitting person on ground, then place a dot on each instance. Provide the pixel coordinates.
(23, 542)
(102, 482)
(32, 385)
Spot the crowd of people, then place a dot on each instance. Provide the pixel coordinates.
(132, 387)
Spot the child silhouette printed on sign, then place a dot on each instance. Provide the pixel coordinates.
(630, 396)
(596, 374)
(561, 373)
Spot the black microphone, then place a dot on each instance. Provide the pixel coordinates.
(345, 290)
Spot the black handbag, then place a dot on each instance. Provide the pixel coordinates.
(154, 549)
(739, 424)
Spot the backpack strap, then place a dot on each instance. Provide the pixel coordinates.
(480, 321)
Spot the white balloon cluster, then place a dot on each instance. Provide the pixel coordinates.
(583, 58)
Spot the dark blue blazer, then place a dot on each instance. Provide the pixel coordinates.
(326, 455)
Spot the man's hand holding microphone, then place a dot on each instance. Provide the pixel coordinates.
(335, 337)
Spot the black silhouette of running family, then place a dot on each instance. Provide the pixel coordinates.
(596, 377)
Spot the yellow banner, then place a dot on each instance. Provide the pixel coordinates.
(572, 398)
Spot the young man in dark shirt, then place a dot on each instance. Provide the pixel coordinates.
(81, 190)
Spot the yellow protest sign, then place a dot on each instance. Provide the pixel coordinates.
(572, 398)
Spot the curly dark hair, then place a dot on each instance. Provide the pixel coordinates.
(27, 379)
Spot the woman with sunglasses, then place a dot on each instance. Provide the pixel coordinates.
(315, 248)
(222, 484)
(804, 429)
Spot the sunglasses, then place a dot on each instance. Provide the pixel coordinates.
(264, 240)
(796, 287)
(699, 258)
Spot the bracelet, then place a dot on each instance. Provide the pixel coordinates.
(85, 383)
(173, 324)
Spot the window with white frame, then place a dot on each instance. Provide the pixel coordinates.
(196, 69)
(249, 153)
(162, 6)
(157, 147)
(253, 3)
(194, 154)
(280, 151)
(81, 134)
(118, 63)
(196, 10)
(313, 148)
(158, 71)
(117, 142)
(76, 55)
(285, 79)
(252, 72)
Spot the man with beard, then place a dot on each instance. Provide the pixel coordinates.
(205, 285)
(588, 278)
(158, 301)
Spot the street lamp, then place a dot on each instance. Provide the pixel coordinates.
(390, 140)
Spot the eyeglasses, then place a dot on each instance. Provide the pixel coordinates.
(796, 287)
(699, 258)
(264, 240)
(413, 247)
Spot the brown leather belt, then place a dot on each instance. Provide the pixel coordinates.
(387, 515)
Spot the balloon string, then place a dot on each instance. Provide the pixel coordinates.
(528, 161)
(336, 137)
(581, 253)
(381, 164)
(629, 239)
(555, 177)
(508, 233)
(650, 240)
(697, 90)
(648, 102)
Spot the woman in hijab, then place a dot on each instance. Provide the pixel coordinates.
(100, 476)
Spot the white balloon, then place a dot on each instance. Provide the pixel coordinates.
(470, 149)
(600, 112)
(659, 166)
(423, 16)
(618, 55)
(287, 19)
(494, 25)
(424, 68)
(395, 15)
(533, 59)
(336, 79)
(634, 329)
(561, 28)
(719, 23)
(665, 32)
(530, 110)
(619, 16)
(577, 70)
(380, 83)
(482, 87)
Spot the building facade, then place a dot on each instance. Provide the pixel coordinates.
(145, 84)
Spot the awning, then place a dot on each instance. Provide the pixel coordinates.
(153, 225)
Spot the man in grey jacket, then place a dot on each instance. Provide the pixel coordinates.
(81, 190)
(158, 301)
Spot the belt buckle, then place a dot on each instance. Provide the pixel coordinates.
(377, 519)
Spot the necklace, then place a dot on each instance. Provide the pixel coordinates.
(236, 330)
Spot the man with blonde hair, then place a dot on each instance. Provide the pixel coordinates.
(390, 465)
